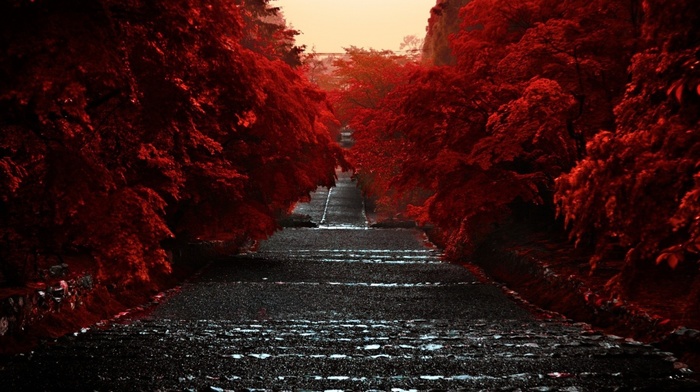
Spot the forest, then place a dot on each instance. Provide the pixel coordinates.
(582, 115)
(130, 127)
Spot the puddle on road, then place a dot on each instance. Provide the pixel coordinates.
(400, 285)
(340, 227)
(362, 284)
(410, 379)
(338, 378)
(369, 256)
(380, 261)
(352, 251)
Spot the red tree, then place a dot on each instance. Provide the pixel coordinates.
(534, 80)
(131, 124)
(637, 191)
(365, 100)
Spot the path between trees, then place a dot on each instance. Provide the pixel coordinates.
(342, 307)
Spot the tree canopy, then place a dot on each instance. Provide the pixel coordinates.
(586, 108)
(130, 125)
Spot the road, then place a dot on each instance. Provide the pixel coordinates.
(342, 307)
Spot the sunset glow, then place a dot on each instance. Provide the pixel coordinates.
(331, 25)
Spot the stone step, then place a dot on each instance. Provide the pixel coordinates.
(369, 256)
(368, 355)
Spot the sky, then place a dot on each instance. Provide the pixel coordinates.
(330, 25)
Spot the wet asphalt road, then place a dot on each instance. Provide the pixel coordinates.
(342, 307)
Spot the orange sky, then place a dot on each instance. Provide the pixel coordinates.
(330, 25)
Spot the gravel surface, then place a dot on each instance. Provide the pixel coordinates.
(342, 307)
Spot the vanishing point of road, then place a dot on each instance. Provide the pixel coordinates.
(342, 307)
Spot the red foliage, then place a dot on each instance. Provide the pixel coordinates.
(366, 100)
(590, 108)
(534, 80)
(478, 170)
(638, 188)
(443, 22)
(126, 124)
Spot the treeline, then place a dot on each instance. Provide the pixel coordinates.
(130, 126)
(587, 109)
